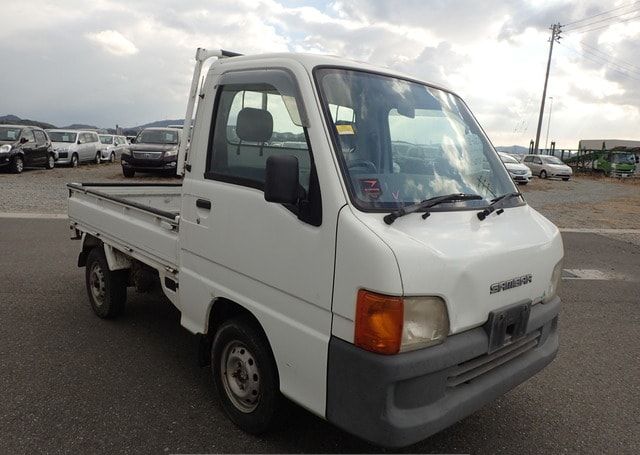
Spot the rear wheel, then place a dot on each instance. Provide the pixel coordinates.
(128, 172)
(107, 289)
(543, 174)
(245, 375)
(51, 161)
(17, 165)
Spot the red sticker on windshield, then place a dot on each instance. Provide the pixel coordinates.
(371, 188)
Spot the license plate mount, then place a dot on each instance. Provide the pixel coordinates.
(507, 324)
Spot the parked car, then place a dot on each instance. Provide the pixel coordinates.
(548, 166)
(115, 146)
(520, 173)
(392, 301)
(73, 147)
(25, 146)
(153, 150)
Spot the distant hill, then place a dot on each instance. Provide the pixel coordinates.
(517, 149)
(79, 126)
(15, 120)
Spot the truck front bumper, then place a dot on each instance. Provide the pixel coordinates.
(398, 400)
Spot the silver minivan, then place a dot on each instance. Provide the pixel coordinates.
(547, 166)
(114, 145)
(76, 146)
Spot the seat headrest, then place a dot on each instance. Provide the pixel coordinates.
(254, 125)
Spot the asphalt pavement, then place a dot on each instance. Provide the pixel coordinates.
(70, 382)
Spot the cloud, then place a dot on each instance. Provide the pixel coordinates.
(113, 42)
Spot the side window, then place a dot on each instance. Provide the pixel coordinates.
(252, 123)
(528, 159)
(40, 137)
(94, 137)
(538, 160)
(28, 134)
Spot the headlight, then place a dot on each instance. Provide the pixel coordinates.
(554, 284)
(5, 148)
(171, 152)
(390, 324)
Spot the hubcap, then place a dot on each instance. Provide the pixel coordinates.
(51, 161)
(240, 376)
(19, 165)
(97, 284)
(74, 161)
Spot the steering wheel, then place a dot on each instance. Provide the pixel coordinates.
(362, 164)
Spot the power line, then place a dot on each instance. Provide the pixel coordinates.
(608, 25)
(600, 62)
(602, 13)
(572, 29)
(630, 65)
(606, 58)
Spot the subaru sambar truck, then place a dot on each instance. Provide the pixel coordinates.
(345, 236)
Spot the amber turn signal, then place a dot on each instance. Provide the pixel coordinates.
(379, 320)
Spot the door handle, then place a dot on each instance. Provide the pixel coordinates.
(203, 204)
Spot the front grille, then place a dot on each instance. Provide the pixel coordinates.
(63, 154)
(519, 172)
(147, 155)
(472, 369)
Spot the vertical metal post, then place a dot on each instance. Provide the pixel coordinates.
(555, 36)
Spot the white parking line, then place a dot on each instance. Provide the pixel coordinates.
(600, 231)
(593, 274)
(41, 216)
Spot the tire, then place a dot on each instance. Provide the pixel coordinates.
(107, 290)
(128, 172)
(17, 165)
(565, 179)
(522, 183)
(112, 158)
(251, 401)
(98, 160)
(51, 162)
(74, 160)
(543, 174)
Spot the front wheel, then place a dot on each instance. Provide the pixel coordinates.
(17, 165)
(74, 160)
(107, 289)
(522, 183)
(245, 375)
(128, 172)
(98, 160)
(112, 158)
(566, 179)
(543, 174)
(51, 162)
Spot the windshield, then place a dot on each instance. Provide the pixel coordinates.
(158, 137)
(508, 159)
(8, 133)
(62, 136)
(552, 160)
(106, 139)
(401, 142)
(623, 158)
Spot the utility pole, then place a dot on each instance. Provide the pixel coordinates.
(546, 142)
(555, 36)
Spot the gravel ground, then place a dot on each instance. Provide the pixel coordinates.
(45, 191)
(583, 202)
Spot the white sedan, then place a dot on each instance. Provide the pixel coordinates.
(520, 173)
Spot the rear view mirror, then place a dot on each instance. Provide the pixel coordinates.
(281, 179)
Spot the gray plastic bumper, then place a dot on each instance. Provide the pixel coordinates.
(395, 401)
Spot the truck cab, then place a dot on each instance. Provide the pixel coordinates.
(345, 236)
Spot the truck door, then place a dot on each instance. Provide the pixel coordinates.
(276, 261)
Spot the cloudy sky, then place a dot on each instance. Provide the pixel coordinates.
(129, 62)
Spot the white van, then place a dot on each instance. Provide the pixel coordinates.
(387, 276)
(73, 147)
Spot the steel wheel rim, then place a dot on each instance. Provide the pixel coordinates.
(97, 284)
(19, 164)
(74, 161)
(97, 158)
(51, 161)
(240, 376)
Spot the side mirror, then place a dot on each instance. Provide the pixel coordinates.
(281, 179)
(24, 140)
(133, 140)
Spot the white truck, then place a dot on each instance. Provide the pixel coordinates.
(384, 273)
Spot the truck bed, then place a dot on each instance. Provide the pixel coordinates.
(141, 220)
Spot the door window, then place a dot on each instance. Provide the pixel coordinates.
(40, 137)
(253, 122)
(28, 135)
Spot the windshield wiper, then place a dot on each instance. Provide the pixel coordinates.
(497, 204)
(428, 203)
